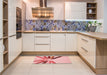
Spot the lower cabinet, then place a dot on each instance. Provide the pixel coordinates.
(87, 49)
(71, 42)
(12, 48)
(28, 42)
(58, 41)
(49, 42)
(1, 55)
(42, 42)
(19, 45)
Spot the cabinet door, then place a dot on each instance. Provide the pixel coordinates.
(19, 45)
(12, 17)
(1, 55)
(28, 42)
(58, 42)
(12, 48)
(75, 10)
(92, 52)
(1, 10)
(71, 42)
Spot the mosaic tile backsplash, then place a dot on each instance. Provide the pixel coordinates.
(48, 25)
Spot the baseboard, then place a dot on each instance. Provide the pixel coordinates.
(49, 53)
(91, 67)
(10, 64)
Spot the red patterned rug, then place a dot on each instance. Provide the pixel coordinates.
(52, 60)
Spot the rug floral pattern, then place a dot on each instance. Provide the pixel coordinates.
(51, 59)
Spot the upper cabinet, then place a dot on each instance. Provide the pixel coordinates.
(75, 10)
(91, 10)
(12, 17)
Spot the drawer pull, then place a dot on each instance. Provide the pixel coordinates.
(42, 44)
(84, 49)
(42, 36)
(84, 40)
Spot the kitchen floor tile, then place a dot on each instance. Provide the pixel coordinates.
(24, 66)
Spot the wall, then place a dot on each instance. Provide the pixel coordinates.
(105, 16)
(29, 5)
(19, 3)
(100, 9)
(57, 4)
(23, 15)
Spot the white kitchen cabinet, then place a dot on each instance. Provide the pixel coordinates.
(71, 42)
(58, 7)
(42, 42)
(12, 17)
(19, 45)
(1, 55)
(28, 42)
(58, 41)
(12, 48)
(75, 10)
(87, 48)
(1, 61)
(1, 16)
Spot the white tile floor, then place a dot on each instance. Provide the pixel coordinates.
(24, 66)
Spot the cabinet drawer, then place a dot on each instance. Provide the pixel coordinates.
(84, 40)
(42, 40)
(84, 51)
(42, 47)
(42, 34)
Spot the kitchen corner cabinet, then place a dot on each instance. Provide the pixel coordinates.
(12, 48)
(78, 13)
(28, 42)
(58, 41)
(71, 42)
(87, 49)
(1, 55)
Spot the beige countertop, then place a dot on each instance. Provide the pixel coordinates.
(96, 35)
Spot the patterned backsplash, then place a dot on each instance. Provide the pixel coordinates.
(48, 25)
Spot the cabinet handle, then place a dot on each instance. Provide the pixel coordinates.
(85, 40)
(42, 36)
(42, 44)
(84, 49)
(12, 35)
